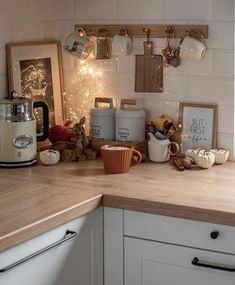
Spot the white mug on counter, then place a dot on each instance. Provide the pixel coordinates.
(121, 44)
(160, 150)
(192, 48)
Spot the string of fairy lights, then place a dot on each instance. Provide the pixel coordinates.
(86, 84)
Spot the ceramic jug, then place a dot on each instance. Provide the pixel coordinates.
(160, 150)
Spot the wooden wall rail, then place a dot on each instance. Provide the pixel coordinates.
(136, 30)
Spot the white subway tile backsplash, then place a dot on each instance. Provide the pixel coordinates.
(226, 119)
(212, 90)
(2, 61)
(65, 28)
(171, 108)
(3, 87)
(153, 107)
(139, 9)
(51, 9)
(34, 30)
(226, 140)
(120, 85)
(211, 80)
(13, 9)
(68, 61)
(126, 63)
(223, 9)
(5, 33)
(188, 9)
(174, 88)
(102, 9)
(221, 35)
(223, 63)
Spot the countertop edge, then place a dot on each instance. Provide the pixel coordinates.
(108, 200)
(44, 225)
(170, 210)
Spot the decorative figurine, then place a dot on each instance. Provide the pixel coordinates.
(78, 148)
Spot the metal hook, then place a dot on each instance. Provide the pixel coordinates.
(147, 32)
(169, 31)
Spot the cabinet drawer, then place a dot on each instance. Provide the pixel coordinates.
(179, 231)
(151, 263)
(75, 260)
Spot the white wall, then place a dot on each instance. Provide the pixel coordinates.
(211, 80)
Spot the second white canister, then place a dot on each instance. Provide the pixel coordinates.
(130, 125)
(102, 120)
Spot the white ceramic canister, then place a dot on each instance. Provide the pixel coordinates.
(102, 120)
(130, 125)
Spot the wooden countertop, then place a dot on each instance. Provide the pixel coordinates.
(34, 200)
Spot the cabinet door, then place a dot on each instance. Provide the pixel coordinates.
(79, 261)
(153, 263)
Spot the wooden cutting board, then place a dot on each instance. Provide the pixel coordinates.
(148, 70)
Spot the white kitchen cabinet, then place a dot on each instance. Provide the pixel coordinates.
(151, 249)
(77, 261)
(154, 263)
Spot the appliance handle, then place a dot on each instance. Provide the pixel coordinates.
(196, 262)
(69, 235)
(43, 105)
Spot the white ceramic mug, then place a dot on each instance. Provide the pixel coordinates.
(78, 44)
(121, 44)
(192, 48)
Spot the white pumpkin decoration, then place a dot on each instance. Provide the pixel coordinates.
(205, 159)
(192, 153)
(49, 157)
(221, 155)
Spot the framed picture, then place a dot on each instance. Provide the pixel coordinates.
(35, 71)
(198, 124)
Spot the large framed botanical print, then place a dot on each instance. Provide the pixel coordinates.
(35, 71)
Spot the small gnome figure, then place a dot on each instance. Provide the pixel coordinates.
(78, 149)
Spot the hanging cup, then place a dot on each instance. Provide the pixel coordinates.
(192, 48)
(78, 44)
(121, 44)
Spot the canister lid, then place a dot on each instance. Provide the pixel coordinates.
(130, 114)
(107, 112)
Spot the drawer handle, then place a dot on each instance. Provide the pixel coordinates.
(214, 234)
(196, 262)
(68, 236)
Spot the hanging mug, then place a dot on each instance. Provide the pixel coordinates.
(192, 48)
(122, 43)
(78, 44)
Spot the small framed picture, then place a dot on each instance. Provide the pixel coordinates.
(35, 71)
(198, 124)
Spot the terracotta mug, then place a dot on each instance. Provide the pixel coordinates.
(118, 158)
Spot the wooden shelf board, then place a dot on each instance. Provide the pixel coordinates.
(136, 30)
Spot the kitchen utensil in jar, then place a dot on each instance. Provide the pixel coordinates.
(122, 43)
(130, 123)
(161, 150)
(148, 69)
(78, 44)
(191, 47)
(102, 120)
(101, 46)
(118, 158)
